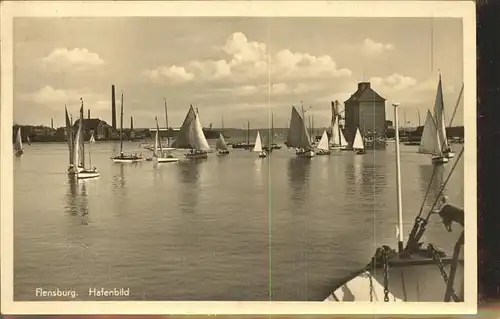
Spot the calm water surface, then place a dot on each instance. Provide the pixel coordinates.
(227, 228)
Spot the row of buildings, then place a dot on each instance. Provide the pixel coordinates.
(365, 109)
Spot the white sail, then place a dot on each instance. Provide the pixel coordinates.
(430, 142)
(337, 138)
(358, 141)
(77, 148)
(298, 136)
(221, 143)
(439, 116)
(18, 146)
(258, 144)
(199, 141)
(156, 143)
(323, 142)
(92, 139)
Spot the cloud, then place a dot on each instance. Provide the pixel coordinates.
(57, 98)
(75, 59)
(174, 74)
(395, 81)
(373, 48)
(249, 62)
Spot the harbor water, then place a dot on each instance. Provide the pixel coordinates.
(228, 228)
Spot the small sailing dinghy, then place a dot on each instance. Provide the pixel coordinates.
(337, 140)
(92, 139)
(258, 146)
(221, 145)
(323, 147)
(411, 273)
(191, 137)
(122, 157)
(163, 155)
(430, 142)
(79, 171)
(298, 137)
(440, 121)
(18, 143)
(358, 145)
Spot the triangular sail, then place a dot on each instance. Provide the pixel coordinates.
(77, 148)
(198, 139)
(439, 116)
(323, 142)
(183, 139)
(358, 141)
(81, 140)
(156, 144)
(258, 143)
(338, 138)
(297, 135)
(18, 145)
(92, 139)
(221, 143)
(69, 132)
(158, 140)
(430, 142)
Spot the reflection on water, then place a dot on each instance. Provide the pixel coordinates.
(76, 199)
(365, 179)
(189, 175)
(432, 186)
(119, 181)
(299, 170)
(258, 171)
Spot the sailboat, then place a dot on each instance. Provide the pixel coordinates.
(18, 144)
(161, 155)
(358, 144)
(298, 136)
(122, 157)
(323, 147)
(337, 140)
(411, 273)
(440, 124)
(221, 145)
(78, 151)
(258, 146)
(191, 137)
(430, 142)
(92, 139)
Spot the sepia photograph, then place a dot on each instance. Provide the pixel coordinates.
(238, 157)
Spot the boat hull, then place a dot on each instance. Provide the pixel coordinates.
(196, 155)
(166, 159)
(323, 152)
(438, 160)
(224, 152)
(360, 152)
(262, 155)
(305, 154)
(418, 280)
(19, 152)
(86, 174)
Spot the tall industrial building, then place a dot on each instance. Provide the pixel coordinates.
(365, 109)
(113, 108)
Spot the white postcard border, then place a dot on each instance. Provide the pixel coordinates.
(458, 9)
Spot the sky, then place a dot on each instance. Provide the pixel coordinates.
(235, 69)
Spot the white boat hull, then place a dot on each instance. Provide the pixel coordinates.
(262, 155)
(439, 160)
(166, 159)
(126, 160)
(87, 175)
(415, 283)
(338, 148)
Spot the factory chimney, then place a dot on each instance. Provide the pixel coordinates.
(88, 114)
(113, 108)
(131, 123)
(52, 123)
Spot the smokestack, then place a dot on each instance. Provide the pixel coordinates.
(113, 108)
(52, 123)
(88, 114)
(131, 123)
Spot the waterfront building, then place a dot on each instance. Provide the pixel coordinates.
(365, 109)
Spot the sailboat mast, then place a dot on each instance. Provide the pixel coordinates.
(398, 180)
(82, 134)
(121, 125)
(166, 123)
(271, 139)
(248, 132)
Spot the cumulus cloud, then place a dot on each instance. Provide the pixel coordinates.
(373, 48)
(57, 98)
(248, 61)
(75, 59)
(394, 81)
